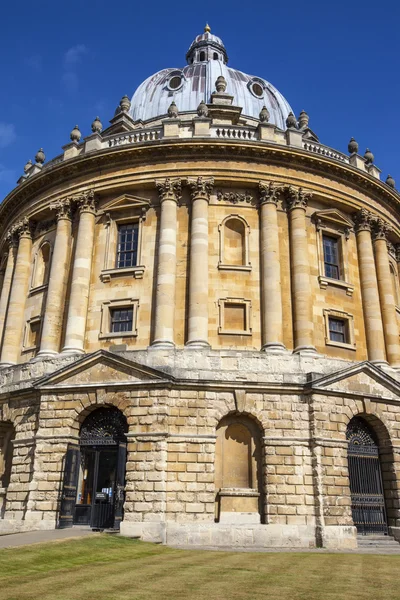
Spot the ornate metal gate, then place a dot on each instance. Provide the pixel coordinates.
(367, 498)
(94, 477)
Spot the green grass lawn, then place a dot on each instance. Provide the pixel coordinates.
(113, 568)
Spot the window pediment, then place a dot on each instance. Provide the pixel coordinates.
(126, 202)
(333, 217)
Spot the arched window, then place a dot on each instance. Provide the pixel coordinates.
(42, 265)
(202, 56)
(395, 285)
(215, 56)
(238, 472)
(234, 243)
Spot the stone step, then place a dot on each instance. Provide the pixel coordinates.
(377, 541)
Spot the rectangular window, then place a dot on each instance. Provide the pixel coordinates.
(338, 330)
(121, 320)
(127, 245)
(331, 257)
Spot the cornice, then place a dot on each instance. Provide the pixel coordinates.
(170, 150)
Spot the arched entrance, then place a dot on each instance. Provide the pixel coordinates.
(7, 435)
(94, 477)
(238, 471)
(366, 486)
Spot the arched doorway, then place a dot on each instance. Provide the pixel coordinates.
(366, 486)
(94, 478)
(7, 435)
(238, 471)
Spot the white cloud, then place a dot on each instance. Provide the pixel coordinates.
(74, 55)
(69, 77)
(7, 134)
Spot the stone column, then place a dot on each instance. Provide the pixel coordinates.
(369, 289)
(271, 292)
(14, 323)
(53, 316)
(302, 298)
(198, 266)
(82, 268)
(7, 279)
(169, 190)
(388, 306)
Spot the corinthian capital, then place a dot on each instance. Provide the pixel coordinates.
(12, 239)
(269, 192)
(169, 189)
(380, 229)
(297, 197)
(362, 220)
(86, 201)
(63, 209)
(201, 187)
(23, 228)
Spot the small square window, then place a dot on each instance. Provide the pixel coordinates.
(331, 256)
(338, 330)
(127, 248)
(121, 320)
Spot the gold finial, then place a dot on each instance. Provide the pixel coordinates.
(207, 28)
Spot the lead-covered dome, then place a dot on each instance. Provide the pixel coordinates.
(187, 87)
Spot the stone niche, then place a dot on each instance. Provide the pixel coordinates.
(238, 474)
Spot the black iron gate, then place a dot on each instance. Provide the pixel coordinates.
(367, 497)
(94, 475)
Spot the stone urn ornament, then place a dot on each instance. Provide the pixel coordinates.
(353, 146)
(97, 126)
(75, 134)
(173, 111)
(264, 114)
(202, 109)
(220, 84)
(40, 157)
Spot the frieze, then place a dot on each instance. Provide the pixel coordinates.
(135, 155)
(236, 197)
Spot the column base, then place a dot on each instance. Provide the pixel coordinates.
(306, 350)
(5, 365)
(197, 344)
(274, 348)
(69, 351)
(42, 354)
(380, 363)
(162, 344)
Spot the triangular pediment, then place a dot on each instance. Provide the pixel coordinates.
(332, 215)
(126, 201)
(101, 367)
(364, 379)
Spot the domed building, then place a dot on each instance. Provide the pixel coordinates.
(199, 324)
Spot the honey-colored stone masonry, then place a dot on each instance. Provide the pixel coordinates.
(229, 348)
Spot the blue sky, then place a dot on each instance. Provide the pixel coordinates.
(64, 63)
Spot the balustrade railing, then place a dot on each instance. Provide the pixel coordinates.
(325, 151)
